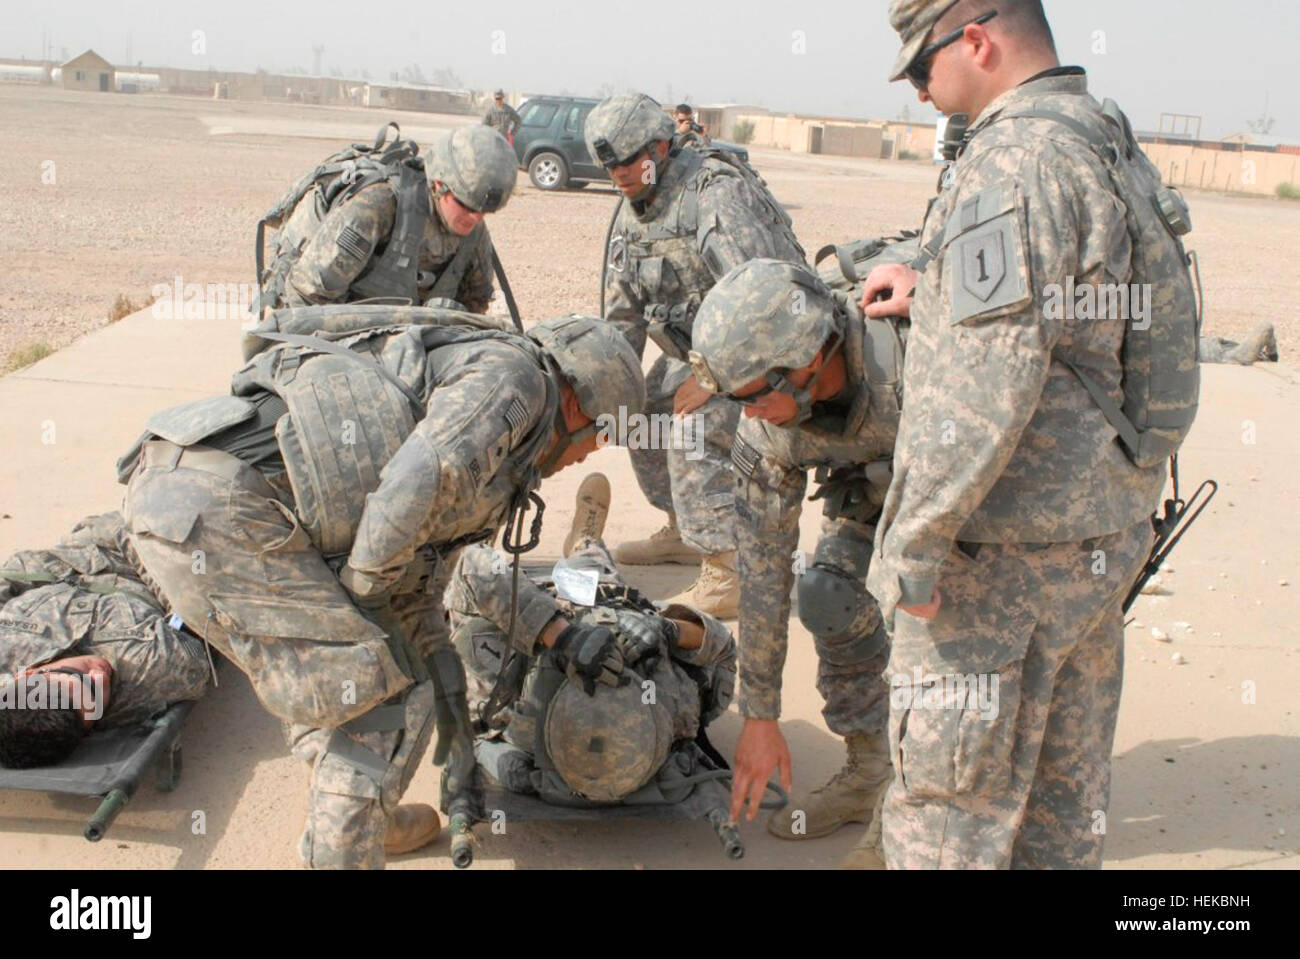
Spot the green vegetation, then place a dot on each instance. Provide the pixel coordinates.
(26, 354)
(1288, 191)
(742, 131)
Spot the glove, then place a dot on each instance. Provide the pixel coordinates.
(589, 655)
(642, 638)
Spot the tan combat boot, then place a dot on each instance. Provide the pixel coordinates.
(589, 513)
(717, 589)
(869, 853)
(663, 546)
(849, 796)
(412, 826)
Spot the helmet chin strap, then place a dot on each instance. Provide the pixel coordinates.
(803, 398)
(568, 440)
(644, 198)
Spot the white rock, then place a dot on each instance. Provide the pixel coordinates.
(1281, 832)
(1152, 587)
(1211, 587)
(1177, 659)
(1159, 635)
(1184, 627)
(1282, 582)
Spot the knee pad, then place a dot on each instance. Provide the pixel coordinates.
(842, 616)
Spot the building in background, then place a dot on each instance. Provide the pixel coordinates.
(89, 71)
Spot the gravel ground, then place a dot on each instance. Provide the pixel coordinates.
(147, 188)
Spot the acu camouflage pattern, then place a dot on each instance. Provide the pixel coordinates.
(84, 597)
(504, 119)
(234, 561)
(336, 251)
(478, 601)
(854, 437)
(1013, 498)
(704, 218)
(1025, 788)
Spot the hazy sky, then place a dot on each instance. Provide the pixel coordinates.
(1215, 59)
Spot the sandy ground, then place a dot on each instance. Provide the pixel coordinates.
(1203, 778)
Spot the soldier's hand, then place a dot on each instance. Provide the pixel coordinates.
(642, 637)
(760, 749)
(897, 283)
(690, 396)
(590, 655)
(926, 611)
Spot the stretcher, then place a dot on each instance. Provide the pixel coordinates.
(110, 765)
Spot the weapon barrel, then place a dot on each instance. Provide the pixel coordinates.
(728, 835)
(462, 840)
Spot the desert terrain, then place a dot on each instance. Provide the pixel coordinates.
(149, 188)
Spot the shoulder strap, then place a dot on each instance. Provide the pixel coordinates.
(448, 283)
(321, 345)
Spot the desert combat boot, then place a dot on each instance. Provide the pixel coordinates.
(590, 511)
(850, 796)
(664, 546)
(412, 826)
(716, 590)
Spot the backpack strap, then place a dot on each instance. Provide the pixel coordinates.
(448, 282)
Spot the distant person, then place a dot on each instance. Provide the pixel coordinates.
(502, 117)
(90, 643)
(409, 234)
(687, 128)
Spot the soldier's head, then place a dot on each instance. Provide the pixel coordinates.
(499, 97)
(601, 379)
(684, 116)
(769, 335)
(61, 703)
(630, 136)
(471, 172)
(962, 54)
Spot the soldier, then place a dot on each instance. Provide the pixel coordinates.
(687, 128)
(820, 388)
(1260, 346)
(1015, 521)
(306, 525)
(502, 117)
(79, 615)
(689, 657)
(688, 216)
(410, 235)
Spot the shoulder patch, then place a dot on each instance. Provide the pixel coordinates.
(354, 244)
(517, 417)
(987, 267)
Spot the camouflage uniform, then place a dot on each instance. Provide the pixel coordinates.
(1011, 496)
(252, 559)
(855, 435)
(83, 598)
(702, 219)
(341, 248)
(504, 119)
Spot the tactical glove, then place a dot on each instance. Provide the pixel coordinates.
(642, 638)
(589, 654)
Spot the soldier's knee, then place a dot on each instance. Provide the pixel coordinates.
(841, 615)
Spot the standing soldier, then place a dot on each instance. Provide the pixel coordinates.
(502, 117)
(820, 387)
(1031, 448)
(397, 231)
(306, 525)
(688, 216)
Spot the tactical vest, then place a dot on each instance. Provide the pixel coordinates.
(348, 414)
(672, 275)
(392, 273)
(1161, 378)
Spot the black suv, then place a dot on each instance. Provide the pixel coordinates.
(550, 145)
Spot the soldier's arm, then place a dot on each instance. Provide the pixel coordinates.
(734, 226)
(993, 346)
(475, 418)
(482, 587)
(343, 245)
(624, 302)
(476, 285)
(166, 666)
(769, 494)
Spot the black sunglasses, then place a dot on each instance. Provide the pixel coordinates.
(919, 71)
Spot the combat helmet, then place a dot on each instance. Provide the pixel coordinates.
(762, 316)
(607, 745)
(598, 362)
(619, 127)
(476, 164)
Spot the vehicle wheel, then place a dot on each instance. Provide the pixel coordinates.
(548, 172)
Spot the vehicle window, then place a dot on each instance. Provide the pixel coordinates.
(538, 115)
(573, 121)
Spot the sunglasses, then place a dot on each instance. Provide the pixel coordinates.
(919, 72)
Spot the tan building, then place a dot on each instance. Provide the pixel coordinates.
(89, 71)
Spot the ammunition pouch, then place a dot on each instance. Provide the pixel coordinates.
(670, 327)
(853, 492)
